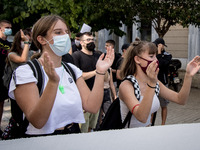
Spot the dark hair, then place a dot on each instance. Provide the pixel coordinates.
(78, 34)
(111, 42)
(135, 49)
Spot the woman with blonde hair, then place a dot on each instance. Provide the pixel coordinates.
(140, 66)
(59, 109)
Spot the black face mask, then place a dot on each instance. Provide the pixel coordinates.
(90, 46)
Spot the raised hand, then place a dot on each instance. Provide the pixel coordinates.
(103, 64)
(49, 68)
(152, 71)
(23, 37)
(193, 66)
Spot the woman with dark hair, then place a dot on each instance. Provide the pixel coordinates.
(57, 110)
(140, 66)
(18, 54)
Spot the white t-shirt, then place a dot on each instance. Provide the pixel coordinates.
(134, 122)
(67, 107)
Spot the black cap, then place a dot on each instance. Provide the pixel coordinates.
(159, 41)
(125, 46)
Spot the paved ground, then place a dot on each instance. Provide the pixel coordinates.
(189, 113)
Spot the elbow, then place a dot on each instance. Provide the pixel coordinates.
(38, 125)
(182, 103)
(142, 118)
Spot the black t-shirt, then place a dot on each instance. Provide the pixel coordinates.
(118, 64)
(68, 58)
(117, 57)
(164, 60)
(86, 63)
(4, 47)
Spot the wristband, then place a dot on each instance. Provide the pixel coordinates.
(100, 73)
(153, 87)
(26, 42)
(134, 108)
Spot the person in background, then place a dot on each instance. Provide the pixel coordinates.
(76, 46)
(140, 65)
(86, 60)
(59, 109)
(164, 59)
(5, 45)
(19, 55)
(111, 43)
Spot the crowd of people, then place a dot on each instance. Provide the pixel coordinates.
(75, 105)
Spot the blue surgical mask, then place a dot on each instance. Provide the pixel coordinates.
(61, 44)
(7, 32)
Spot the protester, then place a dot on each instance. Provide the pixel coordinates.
(56, 111)
(19, 55)
(164, 59)
(111, 43)
(5, 45)
(86, 60)
(140, 63)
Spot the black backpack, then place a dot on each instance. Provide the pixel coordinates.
(112, 119)
(7, 75)
(17, 128)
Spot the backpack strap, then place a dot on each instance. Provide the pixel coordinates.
(136, 86)
(69, 70)
(38, 73)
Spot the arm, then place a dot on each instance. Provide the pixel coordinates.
(88, 75)
(37, 109)
(92, 100)
(20, 59)
(181, 97)
(24, 56)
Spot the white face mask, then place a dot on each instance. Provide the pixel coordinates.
(77, 42)
(61, 44)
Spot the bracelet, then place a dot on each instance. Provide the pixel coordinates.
(134, 108)
(100, 73)
(26, 42)
(153, 87)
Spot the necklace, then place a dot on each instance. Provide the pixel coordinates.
(61, 87)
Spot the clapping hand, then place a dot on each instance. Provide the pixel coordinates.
(103, 64)
(49, 68)
(193, 66)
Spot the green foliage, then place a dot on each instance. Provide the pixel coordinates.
(100, 14)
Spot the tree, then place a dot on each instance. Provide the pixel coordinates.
(15, 12)
(166, 13)
(109, 14)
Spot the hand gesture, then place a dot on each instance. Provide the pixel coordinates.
(23, 37)
(103, 64)
(49, 68)
(193, 66)
(152, 71)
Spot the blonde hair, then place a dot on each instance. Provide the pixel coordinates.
(128, 66)
(42, 26)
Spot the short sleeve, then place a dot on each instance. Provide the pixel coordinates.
(22, 75)
(76, 70)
